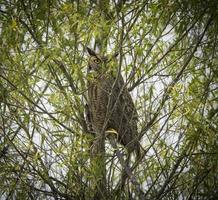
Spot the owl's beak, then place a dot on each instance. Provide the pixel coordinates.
(89, 68)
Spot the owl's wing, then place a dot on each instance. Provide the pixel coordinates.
(89, 119)
(126, 109)
(126, 102)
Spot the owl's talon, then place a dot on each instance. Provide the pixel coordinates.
(112, 131)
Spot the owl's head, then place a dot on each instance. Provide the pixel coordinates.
(96, 61)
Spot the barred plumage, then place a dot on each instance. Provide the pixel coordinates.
(110, 103)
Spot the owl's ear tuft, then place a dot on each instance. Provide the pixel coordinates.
(115, 54)
(104, 58)
(91, 52)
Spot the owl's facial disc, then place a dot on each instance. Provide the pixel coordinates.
(94, 63)
(95, 60)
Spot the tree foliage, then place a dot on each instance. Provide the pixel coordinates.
(168, 56)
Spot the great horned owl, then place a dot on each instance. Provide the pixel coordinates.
(110, 106)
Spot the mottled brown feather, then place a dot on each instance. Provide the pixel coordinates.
(106, 94)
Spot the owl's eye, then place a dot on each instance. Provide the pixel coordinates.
(96, 60)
